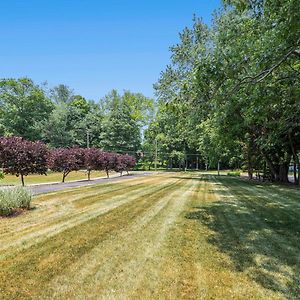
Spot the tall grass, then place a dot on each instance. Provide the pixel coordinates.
(14, 198)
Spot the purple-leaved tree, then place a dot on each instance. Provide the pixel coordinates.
(21, 157)
(91, 156)
(66, 160)
(106, 161)
(129, 162)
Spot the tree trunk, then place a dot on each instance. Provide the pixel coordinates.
(107, 173)
(298, 174)
(274, 174)
(295, 173)
(250, 165)
(89, 175)
(250, 174)
(296, 161)
(296, 164)
(265, 171)
(22, 179)
(65, 174)
(283, 172)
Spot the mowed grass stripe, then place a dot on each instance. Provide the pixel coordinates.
(272, 211)
(219, 277)
(56, 218)
(155, 281)
(191, 266)
(50, 257)
(257, 238)
(176, 237)
(117, 266)
(71, 218)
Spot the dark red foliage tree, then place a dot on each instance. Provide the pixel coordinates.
(91, 157)
(120, 164)
(106, 161)
(66, 160)
(124, 163)
(129, 162)
(21, 157)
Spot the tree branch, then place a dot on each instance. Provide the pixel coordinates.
(265, 73)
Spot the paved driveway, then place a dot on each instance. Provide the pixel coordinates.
(53, 187)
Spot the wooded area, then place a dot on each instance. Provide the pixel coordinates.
(231, 92)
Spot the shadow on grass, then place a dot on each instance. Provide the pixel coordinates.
(199, 178)
(259, 233)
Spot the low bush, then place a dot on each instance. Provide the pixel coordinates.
(14, 198)
(236, 173)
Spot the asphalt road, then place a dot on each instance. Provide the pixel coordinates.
(53, 187)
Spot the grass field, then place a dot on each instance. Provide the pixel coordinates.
(51, 177)
(165, 236)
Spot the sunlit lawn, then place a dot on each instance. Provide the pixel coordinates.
(51, 177)
(165, 236)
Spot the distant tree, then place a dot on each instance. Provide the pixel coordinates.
(120, 131)
(61, 94)
(21, 157)
(120, 165)
(66, 160)
(84, 120)
(77, 123)
(56, 131)
(124, 162)
(91, 156)
(141, 107)
(23, 106)
(129, 161)
(106, 161)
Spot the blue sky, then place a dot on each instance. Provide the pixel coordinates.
(92, 45)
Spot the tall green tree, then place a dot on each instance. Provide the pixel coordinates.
(241, 79)
(120, 130)
(23, 106)
(61, 94)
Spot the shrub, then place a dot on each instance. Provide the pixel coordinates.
(14, 198)
(236, 174)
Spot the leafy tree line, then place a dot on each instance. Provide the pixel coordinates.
(60, 118)
(21, 157)
(232, 89)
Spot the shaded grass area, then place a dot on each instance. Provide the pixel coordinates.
(50, 177)
(258, 227)
(166, 236)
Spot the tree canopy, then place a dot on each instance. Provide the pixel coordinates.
(234, 87)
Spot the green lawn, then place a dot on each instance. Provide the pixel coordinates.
(165, 236)
(50, 177)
